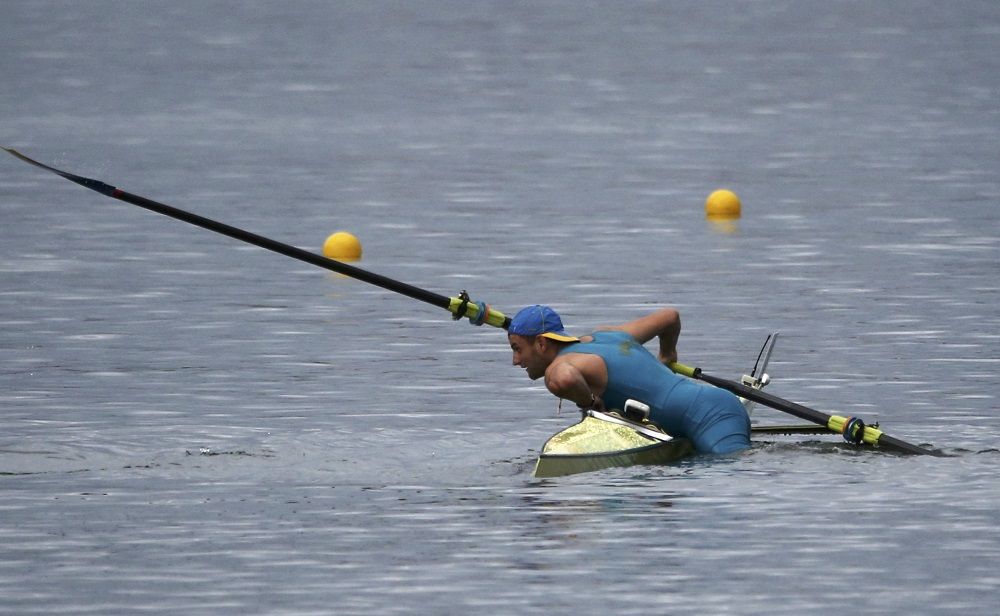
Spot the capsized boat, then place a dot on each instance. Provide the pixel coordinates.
(608, 439)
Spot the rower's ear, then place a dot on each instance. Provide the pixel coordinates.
(547, 345)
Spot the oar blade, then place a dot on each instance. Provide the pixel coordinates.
(96, 185)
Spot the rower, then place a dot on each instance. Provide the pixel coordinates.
(610, 366)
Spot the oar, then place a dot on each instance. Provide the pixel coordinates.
(852, 428)
(458, 306)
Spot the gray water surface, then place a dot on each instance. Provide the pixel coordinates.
(194, 425)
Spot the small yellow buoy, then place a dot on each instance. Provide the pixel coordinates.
(722, 204)
(342, 246)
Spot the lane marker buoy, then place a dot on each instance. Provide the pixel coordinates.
(342, 246)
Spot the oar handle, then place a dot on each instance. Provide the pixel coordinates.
(687, 371)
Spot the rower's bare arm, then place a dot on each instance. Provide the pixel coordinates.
(565, 381)
(664, 324)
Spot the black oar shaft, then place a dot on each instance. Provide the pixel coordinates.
(802, 412)
(285, 249)
(248, 237)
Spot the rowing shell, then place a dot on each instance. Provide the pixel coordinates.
(605, 440)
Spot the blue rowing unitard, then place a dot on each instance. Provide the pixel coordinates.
(713, 419)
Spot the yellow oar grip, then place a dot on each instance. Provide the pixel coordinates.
(495, 318)
(679, 368)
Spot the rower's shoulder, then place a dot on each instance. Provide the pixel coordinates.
(610, 331)
(595, 336)
(609, 328)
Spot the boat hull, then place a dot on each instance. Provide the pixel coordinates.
(596, 443)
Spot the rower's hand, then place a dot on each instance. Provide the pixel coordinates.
(596, 404)
(668, 357)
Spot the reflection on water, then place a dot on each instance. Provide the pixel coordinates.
(194, 425)
(724, 225)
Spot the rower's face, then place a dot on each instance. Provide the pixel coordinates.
(528, 355)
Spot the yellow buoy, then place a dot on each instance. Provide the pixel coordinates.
(342, 246)
(722, 204)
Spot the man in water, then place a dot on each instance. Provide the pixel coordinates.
(606, 368)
